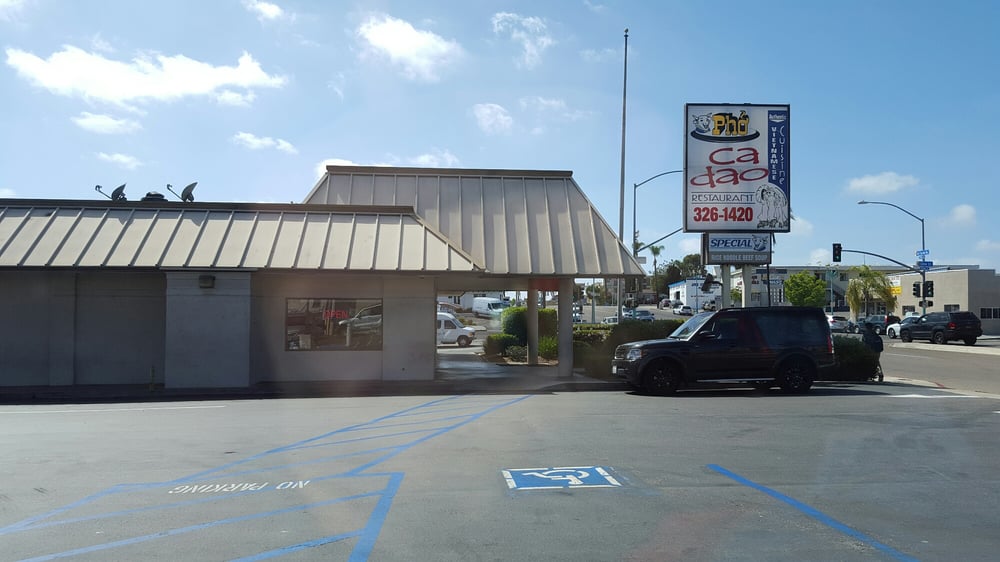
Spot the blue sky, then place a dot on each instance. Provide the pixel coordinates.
(893, 101)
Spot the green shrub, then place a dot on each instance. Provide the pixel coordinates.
(855, 361)
(514, 321)
(548, 347)
(517, 353)
(633, 330)
(498, 344)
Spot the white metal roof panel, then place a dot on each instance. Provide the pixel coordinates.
(514, 222)
(241, 236)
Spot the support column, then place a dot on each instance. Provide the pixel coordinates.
(565, 329)
(727, 285)
(532, 321)
(747, 278)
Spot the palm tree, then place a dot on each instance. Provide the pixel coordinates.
(868, 286)
(655, 250)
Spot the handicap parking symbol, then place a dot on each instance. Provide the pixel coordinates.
(559, 478)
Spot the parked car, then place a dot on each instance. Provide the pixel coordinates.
(643, 316)
(610, 320)
(892, 330)
(838, 323)
(451, 330)
(762, 346)
(683, 310)
(708, 306)
(879, 321)
(943, 327)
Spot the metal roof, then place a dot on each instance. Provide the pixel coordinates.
(47, 233)
(514, 222)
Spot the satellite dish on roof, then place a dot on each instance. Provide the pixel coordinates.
(117, 195)
(187, 194)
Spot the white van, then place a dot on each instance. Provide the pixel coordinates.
(451, 330)
(488, 307)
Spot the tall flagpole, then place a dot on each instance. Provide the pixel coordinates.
(621, 206)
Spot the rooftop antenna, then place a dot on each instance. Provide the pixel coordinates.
(186, 195)
(117, 195)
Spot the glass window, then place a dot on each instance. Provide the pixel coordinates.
(952, 308)
(333, 324)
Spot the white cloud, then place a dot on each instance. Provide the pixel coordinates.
(420, 54)
(552, 106)
(690, 245)
(73, 72)
(337, 84)
(253, 142)
(594, 7)
(99, 44)
(436, 159)
(603, 55)
(10, 8)
(820, 256)
(492, 118)
(105, 124)
(530, 32)
(6, 193)
(266, 11)
(235, 99)
(121, 160)
(801, 227)
(988, 246)
(961, 215)
(886, 182)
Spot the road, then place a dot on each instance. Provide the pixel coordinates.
(848, 472)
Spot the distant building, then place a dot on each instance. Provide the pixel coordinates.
(688, 292)
(956, 287)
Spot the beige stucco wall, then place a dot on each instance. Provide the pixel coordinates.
(62, 328)
(408, 350)
(207, 340)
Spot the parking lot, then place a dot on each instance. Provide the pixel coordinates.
(848, 472)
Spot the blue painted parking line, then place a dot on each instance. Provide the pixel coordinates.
(338, 469)
(815, 514)
(559, 478)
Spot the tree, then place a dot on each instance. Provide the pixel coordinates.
(869, 286)
(655, 250)
(805, 289)
(689, 266)
(736, 296)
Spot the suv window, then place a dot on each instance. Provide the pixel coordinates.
(784, 329)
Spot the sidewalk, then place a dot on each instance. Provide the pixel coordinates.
(459, 371)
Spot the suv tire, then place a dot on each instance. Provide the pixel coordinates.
(464, 341)
(891, 333)
(938, 338)
(905, 336)
(795, 375)
(661, 378)
(970, 341)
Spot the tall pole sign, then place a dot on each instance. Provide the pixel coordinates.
(737, 170)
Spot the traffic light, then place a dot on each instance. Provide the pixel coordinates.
(916, 289)
(836, 252)
(928, 288)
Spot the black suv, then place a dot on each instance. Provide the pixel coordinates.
(879, 321)
(943, 327)
(764, 347)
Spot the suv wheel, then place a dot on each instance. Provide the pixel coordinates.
(905, 336)
(795, 375)
(970, 341)
(891, 333)
(661, 378)
(464, 341)
(938, 337)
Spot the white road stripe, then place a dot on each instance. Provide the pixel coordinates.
(111, 410)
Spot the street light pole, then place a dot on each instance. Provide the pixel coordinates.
(635, 188)
(923, 247)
